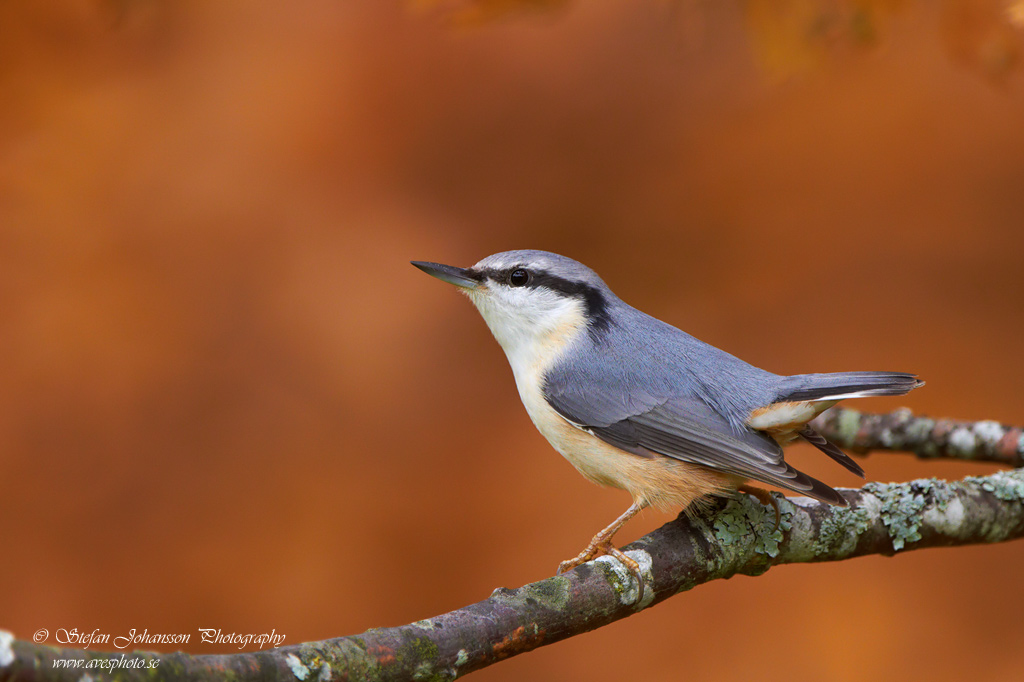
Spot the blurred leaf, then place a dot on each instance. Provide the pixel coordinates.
(792, 37)
(1015, 12)
(785, 35)
(474, 12)
(789, 37)
(985, 35)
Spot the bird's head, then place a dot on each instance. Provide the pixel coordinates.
(527, 296)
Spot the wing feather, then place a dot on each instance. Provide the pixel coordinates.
(687, 429)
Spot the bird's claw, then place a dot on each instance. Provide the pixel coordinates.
(598, 549)
(592, 551)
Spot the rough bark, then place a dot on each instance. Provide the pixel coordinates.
(902, 431)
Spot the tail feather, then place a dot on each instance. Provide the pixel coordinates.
(812, 487)
(842, 385)
(826, 389)
(819, 441)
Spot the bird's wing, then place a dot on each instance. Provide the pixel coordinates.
(683, 427)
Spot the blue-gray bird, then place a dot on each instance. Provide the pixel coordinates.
(637, 404)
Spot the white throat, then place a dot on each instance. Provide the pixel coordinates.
(533, 326)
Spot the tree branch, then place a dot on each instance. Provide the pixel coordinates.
(900, 430)
(738, 538)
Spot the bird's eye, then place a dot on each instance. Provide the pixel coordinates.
(518, 278)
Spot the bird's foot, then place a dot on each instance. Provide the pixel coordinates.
(600, 547)
(592, 551)
(764, 497)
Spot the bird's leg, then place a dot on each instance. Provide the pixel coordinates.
(602, 544)
(764, 497)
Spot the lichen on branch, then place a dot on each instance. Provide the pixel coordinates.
(902, 431)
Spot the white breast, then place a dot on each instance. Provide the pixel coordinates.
(529, 363)
(534, 338)
(598, 461)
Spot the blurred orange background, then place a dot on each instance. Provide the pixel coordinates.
(228, 401)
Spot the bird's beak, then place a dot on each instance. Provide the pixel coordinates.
(460, 277)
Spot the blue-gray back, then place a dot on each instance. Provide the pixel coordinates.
(640, 362)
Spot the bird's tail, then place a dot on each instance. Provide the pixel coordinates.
(842, 385)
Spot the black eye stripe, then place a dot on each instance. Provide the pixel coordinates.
(593, 300)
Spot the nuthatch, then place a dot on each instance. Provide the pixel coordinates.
(637, 404)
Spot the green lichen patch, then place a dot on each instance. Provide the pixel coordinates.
(919, 431)
(798, 523)
(731, 525)
(417, 649)
(900, 512)
(848, 425)
(903, 506)
(552, 593)
(1005, 485)
(941, 493)
(744, 523)
(424, 624)
(425, 672)
(840, 530)
(420, 653)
